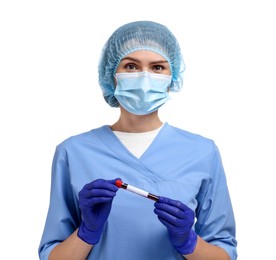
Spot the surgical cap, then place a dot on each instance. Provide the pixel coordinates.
(134, 36)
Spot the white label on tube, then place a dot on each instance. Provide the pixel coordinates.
(137, 191)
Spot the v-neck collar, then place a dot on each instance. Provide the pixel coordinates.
(125, 148)
(112, 142)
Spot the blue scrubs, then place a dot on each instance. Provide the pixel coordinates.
(178, 164)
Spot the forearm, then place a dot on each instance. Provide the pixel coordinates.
(206, 251)
(72, 248)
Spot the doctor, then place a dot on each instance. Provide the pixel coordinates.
(89, 217)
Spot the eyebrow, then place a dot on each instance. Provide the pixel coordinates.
(138, 61)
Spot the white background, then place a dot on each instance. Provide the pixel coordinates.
(49, 90)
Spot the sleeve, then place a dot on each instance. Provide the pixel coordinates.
(215, 221)
(63, 215)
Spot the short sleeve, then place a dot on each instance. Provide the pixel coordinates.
(215, 218)
(63, 215)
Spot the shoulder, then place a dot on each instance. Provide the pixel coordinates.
(192, 143)
(181, 134)
(81, 138)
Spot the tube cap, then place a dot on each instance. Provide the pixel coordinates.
(119, 183)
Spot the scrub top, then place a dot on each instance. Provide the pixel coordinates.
(177, 164)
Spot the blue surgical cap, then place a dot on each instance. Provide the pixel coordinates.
(134, 36)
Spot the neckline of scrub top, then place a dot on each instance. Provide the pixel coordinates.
(107, 137)
(137, 143)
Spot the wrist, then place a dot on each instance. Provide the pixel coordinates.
(190, 244)
(88, 236)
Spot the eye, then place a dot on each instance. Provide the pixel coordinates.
(158, 68)
(163, 69)
(130, 67)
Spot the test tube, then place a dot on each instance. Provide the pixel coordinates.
(121, 184)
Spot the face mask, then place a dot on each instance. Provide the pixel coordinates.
(142, 93)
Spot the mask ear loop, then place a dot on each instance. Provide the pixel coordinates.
(169, 87)
(115, 83)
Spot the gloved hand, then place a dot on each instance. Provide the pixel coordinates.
(95, 201)
(179, 219)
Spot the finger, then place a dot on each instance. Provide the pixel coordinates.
(101, 184)
(88, 203)
(171, 210)
(87, 194)
(167, 219)
(168, 225)
(174, 203)
(97, 200)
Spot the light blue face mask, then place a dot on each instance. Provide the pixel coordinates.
(142, 93)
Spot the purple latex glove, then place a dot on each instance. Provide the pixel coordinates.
(95, 201)
(179, 219)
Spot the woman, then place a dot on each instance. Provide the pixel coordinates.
(89, 217)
